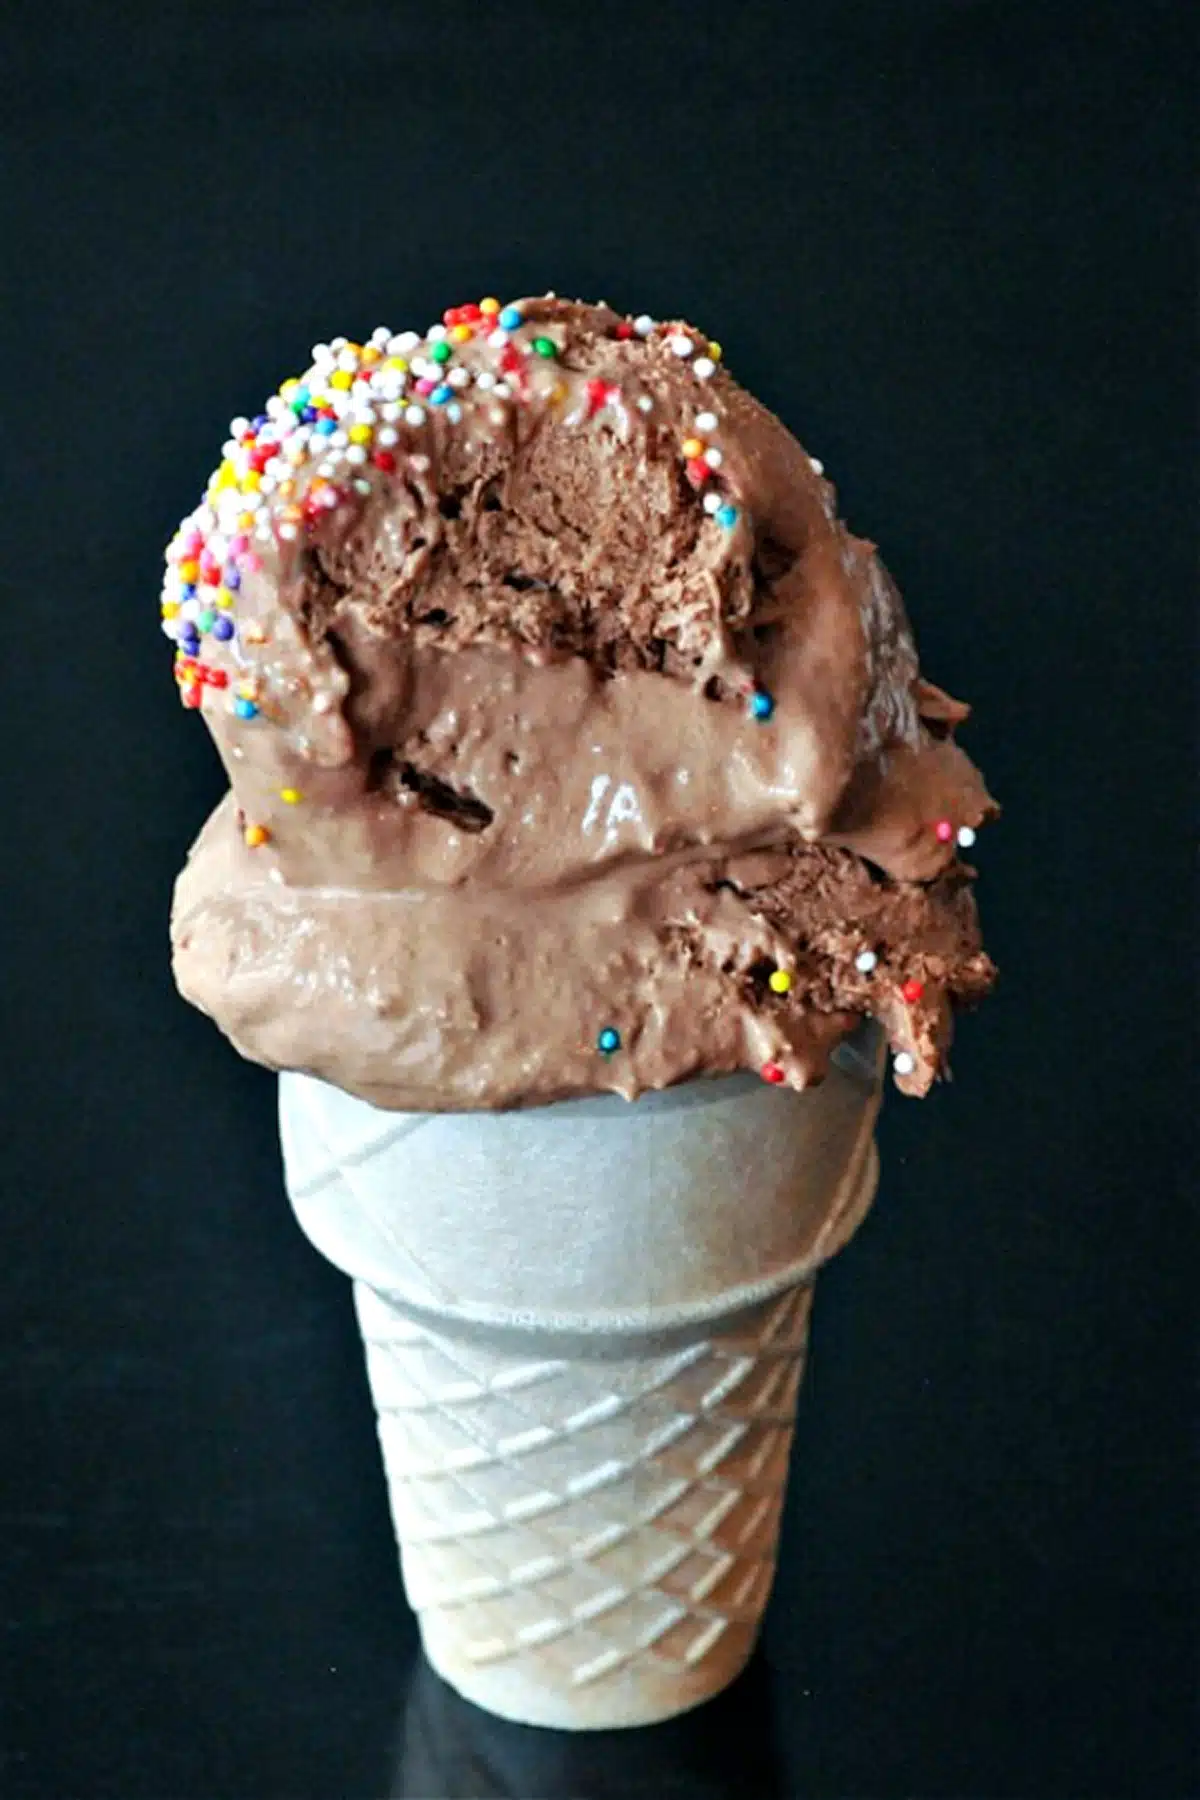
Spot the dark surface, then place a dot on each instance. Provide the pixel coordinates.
(948, 242)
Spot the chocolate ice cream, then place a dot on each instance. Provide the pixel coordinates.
(574, 743)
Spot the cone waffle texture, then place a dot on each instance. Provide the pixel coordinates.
(588, 1540)
(584, 1328)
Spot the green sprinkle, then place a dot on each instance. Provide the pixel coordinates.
(545, 347)
(440, 352)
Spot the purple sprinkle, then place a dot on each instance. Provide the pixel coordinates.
(223, 629)
(233, 579)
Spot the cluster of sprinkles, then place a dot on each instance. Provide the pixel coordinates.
(329, 439)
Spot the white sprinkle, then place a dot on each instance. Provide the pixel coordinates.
(337, 440)
(380, 335)
(170, 629)
(338, 343)
(390, 387)
(391, 412)
(276, 407)
(435, 334)
(356, 454)
(643, 324)
(325, 470)
(276, 467)
(347, 361)
(268, 483)
(485, 380)
(865, 961)
(387, 437)
(966, 836)
(322, 356)
(645, 404)
(497, 339)
(459, 377)
(287, 531)
(453, 411)
(704, 366)
(818, 467)
(419, 463)
(361, 486)
(191, 609)
(402, 344)
(497, 415)
(904, 1064)
(414, 415)
(502, 390)
(706, 421)
(323, 703)
(712, 502)
(681, 344)
(713, 458)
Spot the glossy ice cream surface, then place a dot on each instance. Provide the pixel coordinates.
(574, 744)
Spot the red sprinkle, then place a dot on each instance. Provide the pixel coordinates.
(383, 459)
(260, 456)
(698, 471)
(624, 329)
(772, 1072)
(191, 693)
(943, 831)
(453, 315)
(912, 991)
(216, 678)
(469, 313)
(597, 396)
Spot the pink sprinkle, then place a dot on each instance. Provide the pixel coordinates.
(251, 560)
(238, 544)
(426, 384)
(943, 831)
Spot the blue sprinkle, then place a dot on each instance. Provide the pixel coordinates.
(510, 318)
(258, 422)
(223, 629)
(245, 709)
(187, 590)
(324, 427)
(726, 515)
(761, 704)
(440, 394)
(608, 1041)
(308, 414)
(233, 580)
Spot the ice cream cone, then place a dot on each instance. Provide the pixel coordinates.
(585, 1329)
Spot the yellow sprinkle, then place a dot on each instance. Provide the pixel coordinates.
(248, 690)
(359, 434)
(354, 349)
(251, 482)
(460, 333)
(189, 570)
(170, 609)
(288, 388)
(223, 597)
(397, 362)
(371, 353)
(226, 475)
(714, 350)
(287, 489)
(292, 796)
(341, 378)
(245, 521)
(489, 306)
(780, 981)
(255, 835)
(691, 447)
(557, 392)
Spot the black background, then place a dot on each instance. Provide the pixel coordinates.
(949, 244)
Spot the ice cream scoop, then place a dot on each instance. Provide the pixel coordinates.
(574, 743)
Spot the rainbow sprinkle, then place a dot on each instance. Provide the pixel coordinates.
(359, 417)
